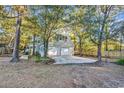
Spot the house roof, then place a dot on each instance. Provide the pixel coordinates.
(63, 44)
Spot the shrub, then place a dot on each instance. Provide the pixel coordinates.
(45, 60)
(120, 62)
(36, 58)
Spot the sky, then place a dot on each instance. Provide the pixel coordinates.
(120, 16)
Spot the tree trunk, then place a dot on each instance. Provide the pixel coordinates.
(106, 49)
(99, 54)
(74, 44)
(15, 57)
(46, 48)
(106, 43)
(80, 48)
(100, 42)
(34, 44)
(59, 51)
(121, 46)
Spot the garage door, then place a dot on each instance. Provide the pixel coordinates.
(64, 51)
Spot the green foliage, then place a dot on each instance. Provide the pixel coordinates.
(37, 58)
(120, 61)
(85, 22)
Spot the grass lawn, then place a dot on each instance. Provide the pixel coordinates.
(32, 74)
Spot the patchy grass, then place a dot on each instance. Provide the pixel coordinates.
(45, 60)
(37, 58)
(120, 61)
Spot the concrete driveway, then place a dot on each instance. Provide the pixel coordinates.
(72, 60)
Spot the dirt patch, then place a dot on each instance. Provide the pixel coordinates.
(30, 75)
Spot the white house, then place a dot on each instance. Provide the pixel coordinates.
(62, 45)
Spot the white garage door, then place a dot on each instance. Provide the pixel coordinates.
(64, 51)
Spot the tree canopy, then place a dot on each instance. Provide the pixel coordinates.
(93, 27)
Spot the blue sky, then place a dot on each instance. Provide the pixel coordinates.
(120, 16)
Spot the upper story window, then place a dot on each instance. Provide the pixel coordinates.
(61, 37)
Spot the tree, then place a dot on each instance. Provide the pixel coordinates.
(77, 18)
(49, 19)
(98, 16)
(19, 12)
(32, 19)
(118, 32)
(33, 29)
